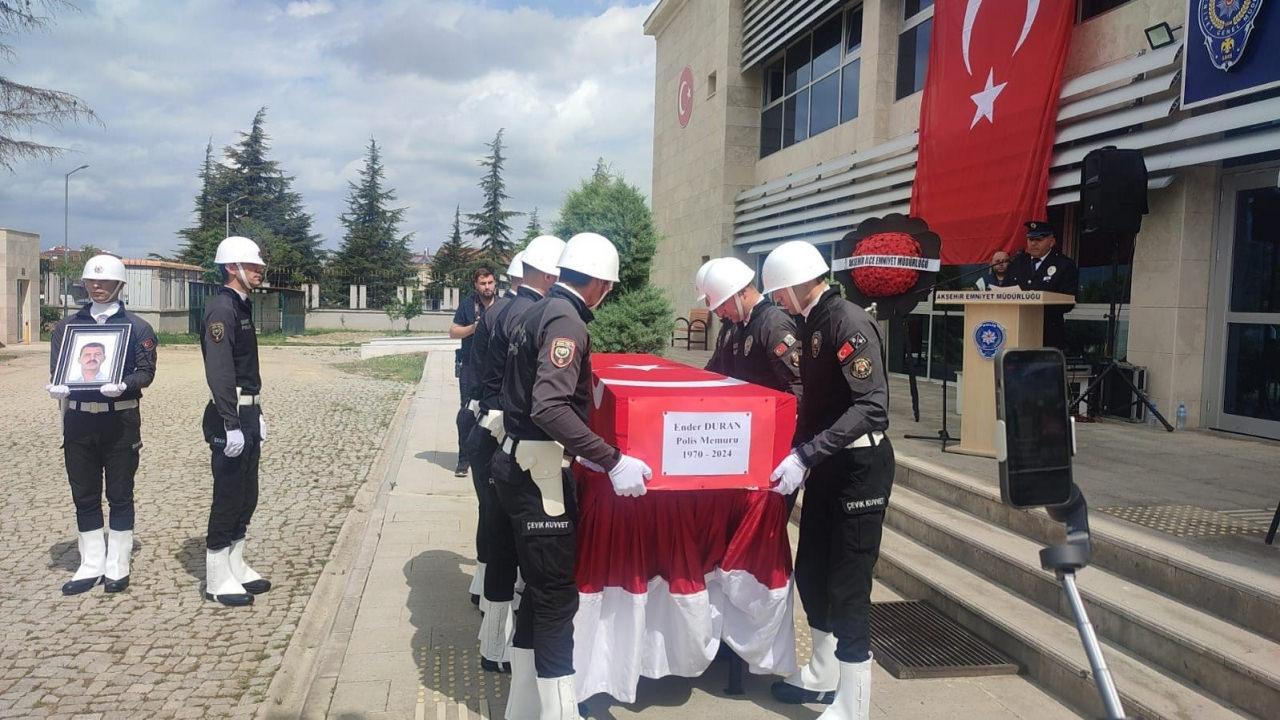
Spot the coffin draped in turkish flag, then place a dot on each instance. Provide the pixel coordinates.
(987, 122)
(698, 430)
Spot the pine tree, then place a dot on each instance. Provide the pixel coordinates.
(200, 239)
(373, 252)
(491, 225)
(531, 231)
(453, 259)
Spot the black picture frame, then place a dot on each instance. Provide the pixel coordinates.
(113, 341)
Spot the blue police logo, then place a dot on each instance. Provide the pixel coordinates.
(989, 337)
(1226, 25)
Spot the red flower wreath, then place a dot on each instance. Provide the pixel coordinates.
(878, 282)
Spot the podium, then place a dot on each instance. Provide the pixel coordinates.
(994, 320)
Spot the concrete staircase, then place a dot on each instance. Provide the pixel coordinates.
(1187, 636)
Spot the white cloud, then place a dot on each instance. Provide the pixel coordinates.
(432, 87)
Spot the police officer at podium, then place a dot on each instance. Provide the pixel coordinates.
(233, 422)
(763, 348)
(1044, 267)
(546, 396)
(846, 464)
(101, 432)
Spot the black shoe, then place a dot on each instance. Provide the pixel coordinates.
(785, 692)
(230, 600)
(582, 710)
(115, 586)
(461, 470)
(494, 666)
(257, 587)
(475, 600)
(75, 587)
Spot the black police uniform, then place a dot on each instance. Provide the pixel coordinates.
(846, 399)
(765, 350)
(720, 353)
(229, 344)
(546, 395)
(499, 540)
(99, 437)
(468, 313)
(1054, 273)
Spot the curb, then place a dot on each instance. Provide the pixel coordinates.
(298, 682)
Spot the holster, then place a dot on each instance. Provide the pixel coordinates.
(541, 459)
(492, 422)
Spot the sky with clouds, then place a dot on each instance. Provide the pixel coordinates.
(431, 80)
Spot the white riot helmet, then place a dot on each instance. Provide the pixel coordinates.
(515, 271)
(700, 279)
(725, 280)
(592, 255)
(105, 267)
(543, 253)
(790, 264)
(236, 249)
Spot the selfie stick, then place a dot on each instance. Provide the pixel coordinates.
(1064, 560)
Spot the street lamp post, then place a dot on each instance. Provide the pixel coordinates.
(66, 239)
(227, 221)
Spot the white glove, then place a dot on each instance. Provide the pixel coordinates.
(58, 392)
(262, 427)
(789, 475)
(629, 475)
(235, 443)
(588, 464)
(113, 390)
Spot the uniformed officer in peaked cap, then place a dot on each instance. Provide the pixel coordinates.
(841, 448)
(540, 269)
(101, 431)
(233, 422)
(1044, 267)
(546, 393)
(763, 348)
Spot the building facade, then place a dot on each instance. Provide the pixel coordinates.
(796, 120)
(20, 283)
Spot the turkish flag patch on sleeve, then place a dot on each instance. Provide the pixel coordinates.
(780, 349)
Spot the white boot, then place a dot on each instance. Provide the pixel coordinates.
(815, 682)
(119, 548)
(557, 698)
(248, 578)
(522, 699)
(93, 563)
(853, 699)
(495, 636)
(220, 584)
(477, 588)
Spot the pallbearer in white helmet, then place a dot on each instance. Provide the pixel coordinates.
(719, 361)
(515, 276)
(841, 448)
(101, 427)
(763, 348)
(233, 423)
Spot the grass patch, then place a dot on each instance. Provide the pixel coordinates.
(401, 368)
(189, 339)
(5, 357)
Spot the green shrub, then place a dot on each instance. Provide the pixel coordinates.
(639, 321)
(49, 316)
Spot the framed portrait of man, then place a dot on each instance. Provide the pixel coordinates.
(92, 355)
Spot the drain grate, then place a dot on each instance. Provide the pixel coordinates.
(1192, 521)
(912, 640)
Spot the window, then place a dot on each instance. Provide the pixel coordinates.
(1086, 9)
(913, 46)
(711, 85)
(812, 86)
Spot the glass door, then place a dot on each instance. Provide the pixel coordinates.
(1244, 355)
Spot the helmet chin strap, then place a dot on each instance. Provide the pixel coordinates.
(115, 294)
(737, 302)
(791, 295)
(244, 277)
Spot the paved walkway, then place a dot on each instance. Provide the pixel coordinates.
(402, 640)
(159, 650)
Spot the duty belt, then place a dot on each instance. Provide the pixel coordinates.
(871, 439)
(509, 445)
(249, 400)
(101, 407)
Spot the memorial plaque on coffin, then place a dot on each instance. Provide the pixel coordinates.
(698, 430)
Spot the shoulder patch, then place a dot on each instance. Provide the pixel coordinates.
(562, 351)
(815, 343)
(789, 340)
(861, 368)
(795, 358)
(217, 331)
(851, 347)
(149, 344)
(780, 349)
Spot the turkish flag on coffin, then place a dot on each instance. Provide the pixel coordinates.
(698, 430)
(987, 122)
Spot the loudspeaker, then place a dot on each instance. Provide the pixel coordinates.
(1113, 191)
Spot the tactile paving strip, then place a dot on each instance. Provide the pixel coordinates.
(1192, 521)
(455, 688)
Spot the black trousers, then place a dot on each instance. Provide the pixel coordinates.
(841, 523)
(466, 420)
(235, 480)
(480, 448)
(546, 548)
(97, 446)
(495, 541)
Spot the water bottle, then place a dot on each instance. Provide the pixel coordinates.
(1182, 416)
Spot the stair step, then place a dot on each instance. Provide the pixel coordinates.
(1228, 587)
(1045, 644)
(1224, 659)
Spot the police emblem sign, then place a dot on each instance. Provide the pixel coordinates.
(1232, 49)
(989, 336)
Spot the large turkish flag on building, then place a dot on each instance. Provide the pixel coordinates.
(987, 122)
